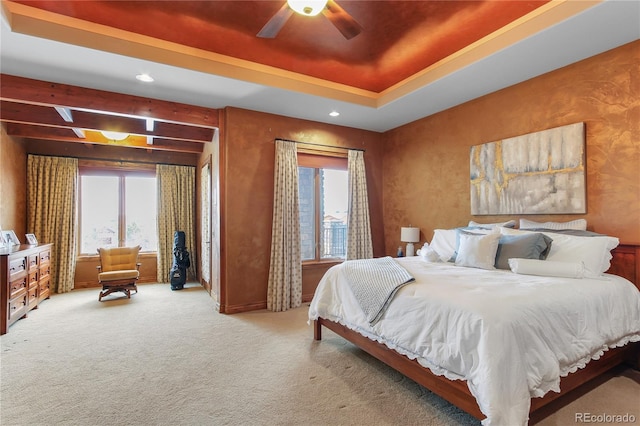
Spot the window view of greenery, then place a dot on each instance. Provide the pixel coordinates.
(117, 211)
(332, 189)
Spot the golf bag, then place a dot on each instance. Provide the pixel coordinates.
(178, 273)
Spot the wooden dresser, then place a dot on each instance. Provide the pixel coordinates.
(25, 275)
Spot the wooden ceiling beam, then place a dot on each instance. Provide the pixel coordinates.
(61, 134)
(23, 130)
(173, 145)
(19, 112)
(37, 92)
(47, 116)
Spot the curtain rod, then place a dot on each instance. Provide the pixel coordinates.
(113, 160)
(318, 144)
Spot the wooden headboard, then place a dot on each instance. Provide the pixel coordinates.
(626, 263)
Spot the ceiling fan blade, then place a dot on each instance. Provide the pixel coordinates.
(342, 20)
(275, 24)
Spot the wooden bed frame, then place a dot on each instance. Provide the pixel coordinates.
(625, 262)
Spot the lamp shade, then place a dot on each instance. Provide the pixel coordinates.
(409, 235)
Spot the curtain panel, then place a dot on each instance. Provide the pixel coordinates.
(285, 269)
(176, 207)
(359, 245)
(52, 189)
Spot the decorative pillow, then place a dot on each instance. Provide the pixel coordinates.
(477, 251)
(471, 231)
(528, 246)
(594, 251)
(579, 224)
(508, 224)
(547, 268)
(444, 243)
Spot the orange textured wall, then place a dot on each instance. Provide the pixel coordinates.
(13, 185)
(426, 163)
(248, 152)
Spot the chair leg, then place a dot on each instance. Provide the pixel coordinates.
(125, 290)
(104, 292)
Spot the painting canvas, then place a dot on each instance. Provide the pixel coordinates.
(537, 173)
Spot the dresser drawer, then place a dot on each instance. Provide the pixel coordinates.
(44, 289)
(17, 267)
(18, 286)
(32, 297)
(45, 256)
(17, 307)
(33, 279)
(32, 261)
(45, 270)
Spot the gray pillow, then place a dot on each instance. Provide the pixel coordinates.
(530, 246)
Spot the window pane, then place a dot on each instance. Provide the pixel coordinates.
(335, 203)
(140, 213)
(98, 213)
(306, 195)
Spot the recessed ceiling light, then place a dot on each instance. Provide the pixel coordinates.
(144, 77)
(334, 113)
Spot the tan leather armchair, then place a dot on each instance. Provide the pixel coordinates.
(118, 270)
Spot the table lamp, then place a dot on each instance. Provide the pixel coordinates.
(410, 235)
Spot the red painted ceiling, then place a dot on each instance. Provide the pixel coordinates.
(400, 38)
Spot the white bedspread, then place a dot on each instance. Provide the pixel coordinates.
(510, 336)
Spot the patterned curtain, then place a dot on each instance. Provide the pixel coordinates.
(285, 271)
(176, 206)
(359, 244)
(52, 187)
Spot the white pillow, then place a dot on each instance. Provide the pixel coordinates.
(593, 251)
(578, 224)
(508, 224)
(547, 268)
(444, 243)
(478, 251)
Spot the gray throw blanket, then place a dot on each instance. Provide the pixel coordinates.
(374, 282)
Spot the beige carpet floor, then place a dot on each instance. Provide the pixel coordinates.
(167, 358)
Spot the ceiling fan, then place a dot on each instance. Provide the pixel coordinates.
(329, 8)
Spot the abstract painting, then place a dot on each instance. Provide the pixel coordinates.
(536, 173)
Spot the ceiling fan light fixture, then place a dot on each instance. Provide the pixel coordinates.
(307, 7)
(114, 136)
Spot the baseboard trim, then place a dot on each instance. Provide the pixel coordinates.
(236, 309)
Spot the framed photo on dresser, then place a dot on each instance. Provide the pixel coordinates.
(31, 239)
(10, 237)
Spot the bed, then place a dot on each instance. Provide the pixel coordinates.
(499, 345)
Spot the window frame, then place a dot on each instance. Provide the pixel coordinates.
(120, 170)
(317, 161)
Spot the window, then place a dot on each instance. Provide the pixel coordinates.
(323, 192)
(117, 209)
